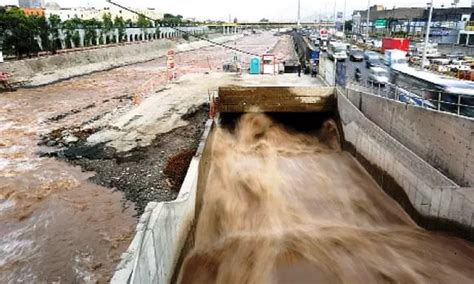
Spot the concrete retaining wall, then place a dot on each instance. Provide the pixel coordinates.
(327, 70)
(164, 227)
(431, 198)
(45, 70)
(444, 140)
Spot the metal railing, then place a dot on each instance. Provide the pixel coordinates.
(394, 92)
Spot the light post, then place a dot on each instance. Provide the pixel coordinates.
(299, 14)
(368, 17)
(344, 18)
(427, 35)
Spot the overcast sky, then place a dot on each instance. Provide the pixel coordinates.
(251, 10)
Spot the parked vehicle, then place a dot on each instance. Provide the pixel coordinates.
(378, 75)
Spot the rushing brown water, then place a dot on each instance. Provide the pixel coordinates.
(282, 207)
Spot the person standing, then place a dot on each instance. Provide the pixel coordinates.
(299, 69)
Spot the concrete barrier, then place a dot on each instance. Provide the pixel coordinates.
(432, 199)
(164, 227)
(46, 70)
(442, 139)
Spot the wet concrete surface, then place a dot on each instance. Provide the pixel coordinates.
(60, 222)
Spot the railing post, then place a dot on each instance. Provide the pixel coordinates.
(439, 100)
(459, 104)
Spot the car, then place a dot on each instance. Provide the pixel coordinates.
(370, 54)
(356, 55)
(374, 62)
(378, 75)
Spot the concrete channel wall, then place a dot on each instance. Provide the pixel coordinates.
(164, 227)
(432, 199)
(45, 70)
(444, 140)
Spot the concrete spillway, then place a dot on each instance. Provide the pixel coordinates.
(286, 198)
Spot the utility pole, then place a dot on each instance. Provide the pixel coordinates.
(368, 17)
(344, 18)
(299, 15)
(335, 15)
(427, 36)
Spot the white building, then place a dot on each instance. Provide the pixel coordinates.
(52, 8)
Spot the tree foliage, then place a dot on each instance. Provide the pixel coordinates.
(23, 35)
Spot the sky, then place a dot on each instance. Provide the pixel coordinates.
(252, 10)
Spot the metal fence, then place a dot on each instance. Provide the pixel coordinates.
(438, 103)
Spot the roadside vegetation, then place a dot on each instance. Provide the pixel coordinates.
(26, 35)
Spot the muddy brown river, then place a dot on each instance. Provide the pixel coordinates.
(287, 207)
(55, 225)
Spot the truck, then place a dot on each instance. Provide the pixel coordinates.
(394, 57)
(390, 43)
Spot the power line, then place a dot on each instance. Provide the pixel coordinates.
(186, 32)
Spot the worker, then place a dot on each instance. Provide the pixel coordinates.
(314, 70)
(357, 74)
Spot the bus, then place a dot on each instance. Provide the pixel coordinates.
(447, 94)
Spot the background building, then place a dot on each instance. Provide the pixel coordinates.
(52, 8)
(31, 3)
(445, 27)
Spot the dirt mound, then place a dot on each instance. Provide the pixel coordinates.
(177, 167)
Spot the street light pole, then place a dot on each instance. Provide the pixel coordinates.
(299, 14)
(368, 17)
(427, 36)
(344, 18)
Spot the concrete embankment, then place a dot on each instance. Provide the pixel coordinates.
(431, 198)
(46, 70)
(442, 139)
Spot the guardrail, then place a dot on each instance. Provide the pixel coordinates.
(394, 92)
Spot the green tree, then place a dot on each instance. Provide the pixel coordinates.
(119, 24)
(348, 26)
(72, 34)
(90, 31)
(54, 22)
(107, 26)
(20, 32)
(143, 23)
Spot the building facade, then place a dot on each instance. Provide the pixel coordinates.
(84, 13)
(31, 3)
(445, 26)
(33, 11)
